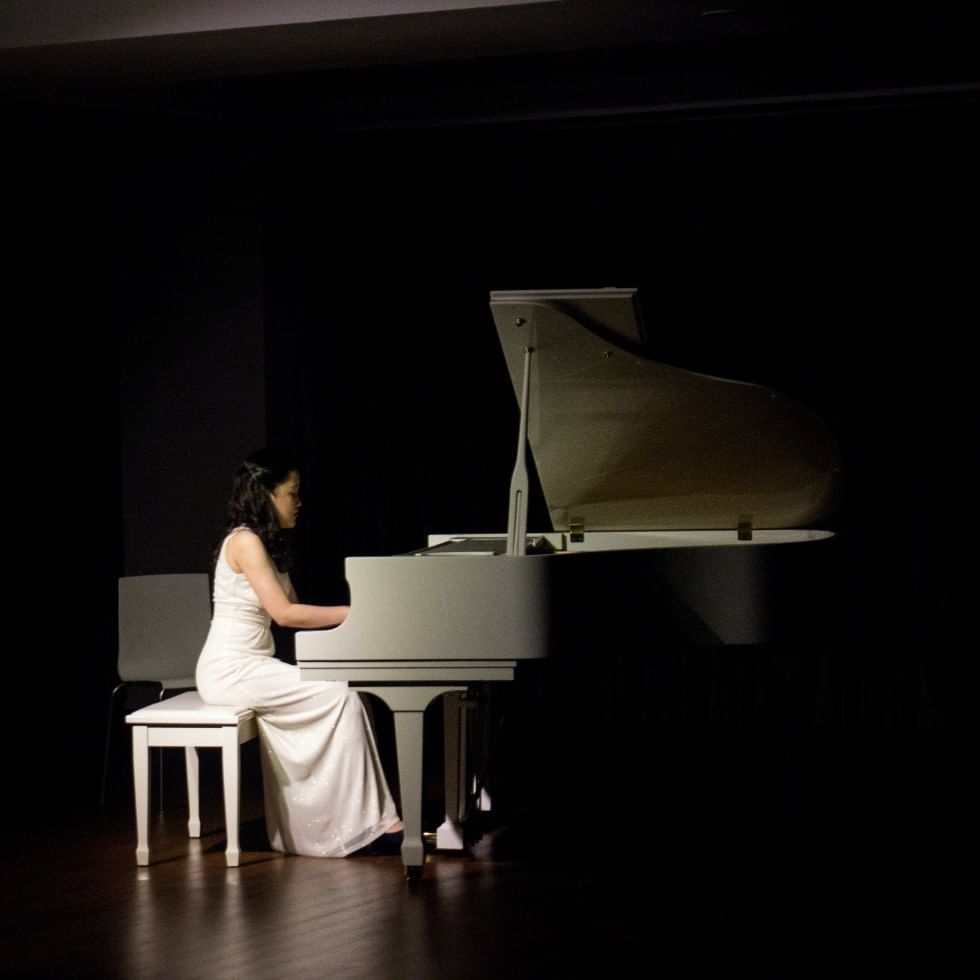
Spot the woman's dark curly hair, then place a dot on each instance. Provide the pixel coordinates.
(250, 504)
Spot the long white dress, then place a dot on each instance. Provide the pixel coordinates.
(324, 787)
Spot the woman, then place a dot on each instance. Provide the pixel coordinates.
(325, 790)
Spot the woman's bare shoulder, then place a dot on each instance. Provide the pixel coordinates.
(244, 545)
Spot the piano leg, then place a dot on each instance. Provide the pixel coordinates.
(408, 705)
(408, 735)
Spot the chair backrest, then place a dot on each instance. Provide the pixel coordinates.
(163, 623)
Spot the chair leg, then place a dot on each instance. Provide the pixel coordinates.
(108, 740)
(141, 790)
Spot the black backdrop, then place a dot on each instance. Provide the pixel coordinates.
(829, 252)
(825, 254)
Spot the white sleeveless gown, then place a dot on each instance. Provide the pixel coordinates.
(325, 791)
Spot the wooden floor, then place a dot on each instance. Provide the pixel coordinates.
(523, 903)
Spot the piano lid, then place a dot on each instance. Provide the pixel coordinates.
(622, 442)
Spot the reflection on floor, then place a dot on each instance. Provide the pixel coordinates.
(717, 879)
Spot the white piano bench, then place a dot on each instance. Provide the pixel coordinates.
(187, 721)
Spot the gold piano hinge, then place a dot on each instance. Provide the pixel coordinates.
(744, 527)
(576, 529)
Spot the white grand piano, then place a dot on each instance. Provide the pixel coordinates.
(704, 490)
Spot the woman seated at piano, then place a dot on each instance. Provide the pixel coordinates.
(324, 787)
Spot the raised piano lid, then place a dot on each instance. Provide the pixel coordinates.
(623, 442)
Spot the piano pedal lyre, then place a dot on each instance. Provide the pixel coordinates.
(465, 748)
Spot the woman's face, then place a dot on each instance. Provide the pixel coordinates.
(285, 499)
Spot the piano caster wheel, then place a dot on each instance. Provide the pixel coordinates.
(413, 873)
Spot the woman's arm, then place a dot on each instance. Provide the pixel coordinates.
(246, 554)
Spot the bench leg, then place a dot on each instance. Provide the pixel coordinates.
(193, 792)
(141, 789)
(230, 760)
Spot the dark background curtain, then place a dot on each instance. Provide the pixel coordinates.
(826, 254)
(829, 252)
